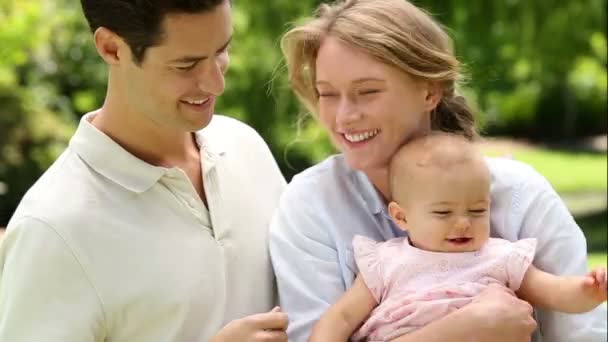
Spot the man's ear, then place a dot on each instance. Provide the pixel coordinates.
(109, 45)
(398, 215)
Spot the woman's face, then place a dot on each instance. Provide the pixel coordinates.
(368, 107)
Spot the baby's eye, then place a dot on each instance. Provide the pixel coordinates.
(478, 211)
(369, 91)
(442, 212)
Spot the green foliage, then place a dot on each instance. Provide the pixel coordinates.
(532, 71)
(597, 259)
(568, 171)
(537, 75)
(32, 134)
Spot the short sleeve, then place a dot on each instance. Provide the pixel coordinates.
(519, 259)
(45, 294)
(368, 261)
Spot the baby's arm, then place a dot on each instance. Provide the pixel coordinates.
(566, 294)
(342, 318)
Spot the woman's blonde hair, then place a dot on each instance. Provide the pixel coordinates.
(396, 33)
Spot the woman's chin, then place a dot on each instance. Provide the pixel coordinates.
(365, 164)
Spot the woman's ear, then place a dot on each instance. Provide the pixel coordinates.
(108, 45)
(433, 95)
(398, 215)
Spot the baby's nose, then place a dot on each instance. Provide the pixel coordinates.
(462, 224)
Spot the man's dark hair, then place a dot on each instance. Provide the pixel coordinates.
(139, 22)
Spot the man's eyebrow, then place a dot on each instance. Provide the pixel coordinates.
(190, 59)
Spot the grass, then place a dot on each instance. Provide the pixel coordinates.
(567, 171)
(597, 259)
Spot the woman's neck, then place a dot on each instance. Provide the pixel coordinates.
(380, 180)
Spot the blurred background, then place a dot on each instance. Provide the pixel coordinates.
(537, 72)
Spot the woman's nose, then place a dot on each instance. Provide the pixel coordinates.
(347, 113)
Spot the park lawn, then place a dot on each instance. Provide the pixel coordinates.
(567, 171)
(597, 259)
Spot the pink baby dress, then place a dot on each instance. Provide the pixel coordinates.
(414, 287)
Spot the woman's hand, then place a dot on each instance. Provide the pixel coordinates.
(267, 327)
(501, 316)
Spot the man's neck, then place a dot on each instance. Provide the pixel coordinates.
(145, 139)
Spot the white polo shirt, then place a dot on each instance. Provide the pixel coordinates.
(105, 247)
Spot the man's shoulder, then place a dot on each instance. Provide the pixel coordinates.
(221, 125)
(60, 197)
(229, 134)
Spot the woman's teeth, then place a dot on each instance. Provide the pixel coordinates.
(361, 136)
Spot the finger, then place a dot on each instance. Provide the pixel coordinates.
(270, 321)
(588, 280)
(600, 275)
(271, 336)
(528, 307)
(276, 309)
(531, 324)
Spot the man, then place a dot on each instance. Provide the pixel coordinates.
(152, 225)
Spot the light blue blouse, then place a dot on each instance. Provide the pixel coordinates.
(325, 206)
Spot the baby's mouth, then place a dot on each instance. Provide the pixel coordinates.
(460, 241)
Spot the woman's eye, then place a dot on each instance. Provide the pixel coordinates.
(327, 95)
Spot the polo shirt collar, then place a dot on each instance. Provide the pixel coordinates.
(112, 161)
(211, 149)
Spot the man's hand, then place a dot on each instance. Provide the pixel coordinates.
(265, 327)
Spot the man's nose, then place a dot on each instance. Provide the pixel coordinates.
(212, 80)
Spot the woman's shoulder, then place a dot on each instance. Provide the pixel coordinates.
(332, 175)
(313, 201)
(508, 173)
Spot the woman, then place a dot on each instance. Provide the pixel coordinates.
(376, 73)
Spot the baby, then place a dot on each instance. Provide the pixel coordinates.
(441, 191)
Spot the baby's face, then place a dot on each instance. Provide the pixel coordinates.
(448, 210)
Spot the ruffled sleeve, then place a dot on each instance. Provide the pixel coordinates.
(519, 260)
(368, 261)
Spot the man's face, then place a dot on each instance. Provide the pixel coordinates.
(176, 85)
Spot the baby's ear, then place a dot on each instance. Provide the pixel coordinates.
(398, 215)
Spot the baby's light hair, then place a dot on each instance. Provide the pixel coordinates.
(439, 150)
